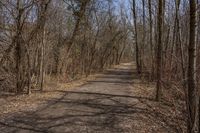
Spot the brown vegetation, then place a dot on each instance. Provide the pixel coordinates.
(64, 40)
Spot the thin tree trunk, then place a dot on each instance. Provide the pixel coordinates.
(143, 36)
(29, 72)
(18, 48)
(138, 65)
(42, 61)
(159, 50)
(172, 48)
(151, 38)
(77, 25)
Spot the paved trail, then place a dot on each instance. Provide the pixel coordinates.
(104, 105)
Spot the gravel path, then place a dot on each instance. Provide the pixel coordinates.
(105, 105)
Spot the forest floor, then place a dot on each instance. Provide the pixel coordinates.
(117, 101)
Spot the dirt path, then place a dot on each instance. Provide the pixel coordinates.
(109, 104)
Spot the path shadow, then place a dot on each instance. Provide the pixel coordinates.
(73, 113)
(89, 111)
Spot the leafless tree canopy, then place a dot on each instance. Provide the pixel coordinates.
(59, 38)
(67, 39)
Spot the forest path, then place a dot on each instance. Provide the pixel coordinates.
(109, 104)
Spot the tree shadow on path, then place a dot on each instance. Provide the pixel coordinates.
(91, 108)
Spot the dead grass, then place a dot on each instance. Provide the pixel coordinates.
(13, 104)
(167, 112)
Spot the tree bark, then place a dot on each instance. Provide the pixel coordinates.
(143, 36)
(193, 97)
(151, 37)
(17, 40)
(137, 52)
(159, 50)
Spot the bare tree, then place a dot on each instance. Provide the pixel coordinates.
(151, 36)
(193, 98)
(137, 51)
(159, 50)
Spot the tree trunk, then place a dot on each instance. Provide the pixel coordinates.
(151, 38)
(193, 98)
(42, 61)
(143, 36)
(159, 50)
(138, 65)
(17, 39)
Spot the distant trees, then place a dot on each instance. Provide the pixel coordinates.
(22, 42)
(18, 39)
(71, 38)
(60, 39)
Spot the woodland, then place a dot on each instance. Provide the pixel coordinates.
(44, 41)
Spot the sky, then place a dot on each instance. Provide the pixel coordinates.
(125, 4)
